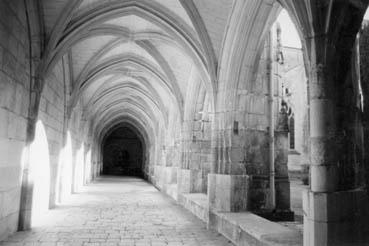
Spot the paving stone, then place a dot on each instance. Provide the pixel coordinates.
(116, 212)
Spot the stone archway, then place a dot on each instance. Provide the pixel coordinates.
(123, 153)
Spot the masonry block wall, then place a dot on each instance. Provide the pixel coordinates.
(14, 101)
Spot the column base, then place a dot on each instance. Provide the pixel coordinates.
(228, 193)
(336, 218)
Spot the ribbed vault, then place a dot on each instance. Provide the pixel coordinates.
(130, 62)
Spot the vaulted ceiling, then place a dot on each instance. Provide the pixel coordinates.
(135, 57)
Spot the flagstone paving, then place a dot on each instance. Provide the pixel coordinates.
(117, 211)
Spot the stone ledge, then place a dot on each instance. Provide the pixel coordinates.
(196, 203)
(249, 229)
(243, 228)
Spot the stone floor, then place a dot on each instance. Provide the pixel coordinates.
(118, 211)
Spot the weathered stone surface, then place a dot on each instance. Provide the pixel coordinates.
(336, 218)
(249, 229)
(119, 211)
(197, 203)
(14, 102)
(228, 193)
(190, 181)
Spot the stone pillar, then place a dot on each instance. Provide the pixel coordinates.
(282, 182)
(324, 170)
(334, 214)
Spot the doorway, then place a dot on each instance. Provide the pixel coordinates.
(123, 153)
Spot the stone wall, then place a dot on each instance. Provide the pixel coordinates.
(14, 101)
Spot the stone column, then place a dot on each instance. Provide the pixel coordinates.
(282, 182)
(334, 213)
(323, 169)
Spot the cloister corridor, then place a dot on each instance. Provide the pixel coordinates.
(244, 122)
(116, 211)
